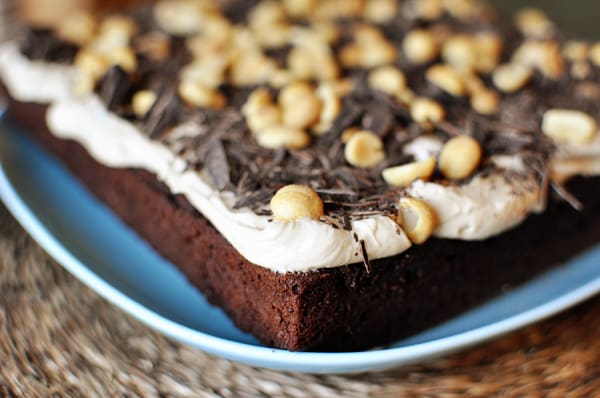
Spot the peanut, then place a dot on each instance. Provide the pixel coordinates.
(459, 157)
(294, 202)
(403, 176)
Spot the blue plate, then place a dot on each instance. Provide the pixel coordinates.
(92, 244)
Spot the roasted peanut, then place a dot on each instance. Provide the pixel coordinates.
(274, 137)
(462, 9)
(294, 202)
(266, 13)
(485, 101)
(532, 22)
(387, 79)
(364, 149)
(260, 111)
(335, 9)
(370, 49)
(299, 8)
(426, 110)
(178, 17)
(428, 9)
(300, 105)
(489, 51)
(143, 101)
(123, 57)
(301, 63)
(406, 96)
(118, 26)
(209, 72)
(252, 68)
(404, 175)
(332, 106)
(91, 64)
(447, 78)
(459, 157)
(544, 56)
(380, 11)
(348, 133)
(274, 36)
(78, 28)
(198, 95)
(461, 52)
(420, 46)
(417, 219)
(569, 126)
(595, 54)
(511, 77)
(264, 118)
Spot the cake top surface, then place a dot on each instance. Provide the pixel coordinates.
(360, 101)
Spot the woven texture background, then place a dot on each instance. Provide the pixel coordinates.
(58, 338)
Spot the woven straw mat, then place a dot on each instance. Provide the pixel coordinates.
(60, 339)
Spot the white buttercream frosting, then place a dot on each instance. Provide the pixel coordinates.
(482, 208)
(281, 246)
(478, 210)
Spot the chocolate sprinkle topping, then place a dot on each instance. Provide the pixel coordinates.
(41, 44)
(217, 167)
(220, 142)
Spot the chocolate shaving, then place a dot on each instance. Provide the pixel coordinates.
(449, 128)
(351, 113)
(365, 256)
(41, 44)
(115, 87)
(163, 113)
(254, 199)
(217, 167)
(378, 119)
(347, 224)
(567, 196)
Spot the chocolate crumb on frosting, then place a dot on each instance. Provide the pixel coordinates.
(359, 71)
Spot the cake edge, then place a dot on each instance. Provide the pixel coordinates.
(339, 309)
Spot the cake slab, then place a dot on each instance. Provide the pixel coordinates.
(91, 243)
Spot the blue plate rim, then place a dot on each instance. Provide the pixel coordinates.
(308, 362)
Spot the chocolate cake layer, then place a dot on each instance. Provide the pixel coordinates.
(346, 308)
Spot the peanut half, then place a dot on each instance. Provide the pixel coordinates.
(417, 219)
(274, 137)
(511, 77)
(403, 176)
(565, 125)
(364, 149)
(447, 78)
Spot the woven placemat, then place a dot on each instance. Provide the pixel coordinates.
(58, 338)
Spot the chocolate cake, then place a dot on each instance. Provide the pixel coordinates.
(334, 175)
